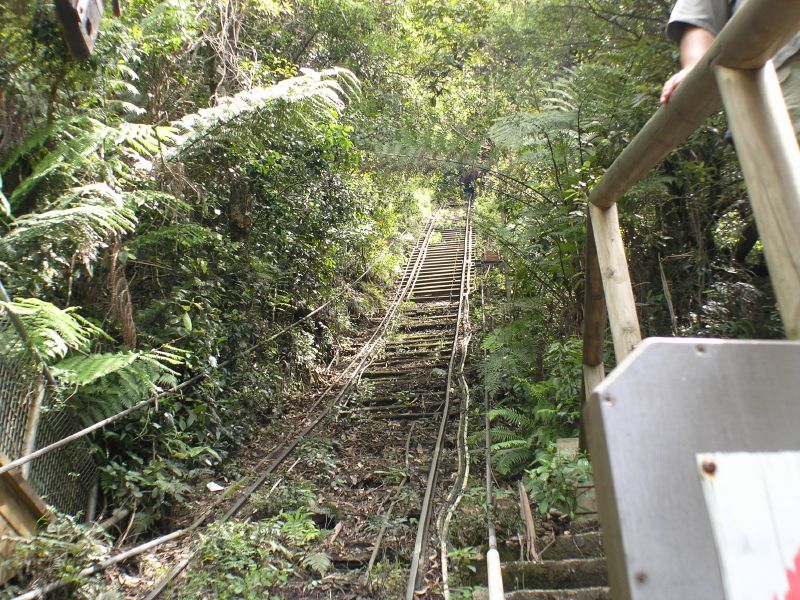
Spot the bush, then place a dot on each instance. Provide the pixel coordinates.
(553, 484)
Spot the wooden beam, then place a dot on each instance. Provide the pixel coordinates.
(770, 159)
(617, 286)
(755, 33)
(20, 511)
(593, 375)
(751, 38)
(32, 425)
(594, 305)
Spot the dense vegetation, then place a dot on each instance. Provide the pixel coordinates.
(219, 169)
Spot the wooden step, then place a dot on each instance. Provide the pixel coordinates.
(562, 574)
(589, 593)
(592, 593)
(581, 545)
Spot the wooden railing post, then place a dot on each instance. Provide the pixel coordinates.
(770, 159)
(594, 316)
(622, 316)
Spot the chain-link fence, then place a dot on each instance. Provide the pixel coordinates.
(64, 478)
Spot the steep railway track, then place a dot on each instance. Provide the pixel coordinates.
(401, 386)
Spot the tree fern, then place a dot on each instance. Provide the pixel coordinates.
(80, 139)
(86, 216)
(104, 384)
(318, 92)
(524, 130)
(52, 332)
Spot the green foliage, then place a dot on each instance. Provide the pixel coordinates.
(151, 484)
(56, 554)
(317, 93)
(465, 557)
(104, 384)
(388, 579)
(208, 177)
(535, 413)
(289, 496)
(238, 560)
(51, 331)
(160, 186)
(318, 562)
(553, 483)
(252, 559)
(87, 215)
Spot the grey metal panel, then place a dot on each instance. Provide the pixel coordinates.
(669, 400)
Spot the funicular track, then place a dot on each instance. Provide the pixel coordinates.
(402, 385)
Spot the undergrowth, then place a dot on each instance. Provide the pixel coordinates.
(253, 559)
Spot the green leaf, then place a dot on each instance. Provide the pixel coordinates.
(319, 562)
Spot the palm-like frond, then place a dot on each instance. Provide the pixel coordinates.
(52, 331)
(88, 214)
(120, 379)
(513, 459)
(319, 562)
(319, 91)
(524, 130)
(80, 139)
(513, 416)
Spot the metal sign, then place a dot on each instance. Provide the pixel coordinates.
(752, 500)
(646, 422)
(80, 22)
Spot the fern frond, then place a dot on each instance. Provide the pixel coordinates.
(52, 331)
(100, 213)
(319, 562)
(35, 140)
(510, 444)
(109, 383)
(523, 130)
(82, 137)
(513, 460)
(511, 415)
(323, 91)
(502, 434)
(83, 370)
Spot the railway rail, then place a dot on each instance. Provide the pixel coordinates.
(405, 378)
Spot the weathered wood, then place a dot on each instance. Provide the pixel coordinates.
(580, 545)
(752, 500)
(592, 377)
(20, 511)
(751, 37)
(80, 22)
(617, 286)
(594, 305)
(770, 159)
(573, 573)
(667, 401)
(530, 526)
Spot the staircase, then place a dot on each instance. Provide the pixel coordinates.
(573, 567)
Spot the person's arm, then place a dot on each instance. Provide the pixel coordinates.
(695, 41)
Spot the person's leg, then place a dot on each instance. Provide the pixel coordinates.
(789, 74)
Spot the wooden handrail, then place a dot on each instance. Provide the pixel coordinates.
(748, 41)
(746, 44)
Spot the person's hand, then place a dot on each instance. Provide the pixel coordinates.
(673, 83)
